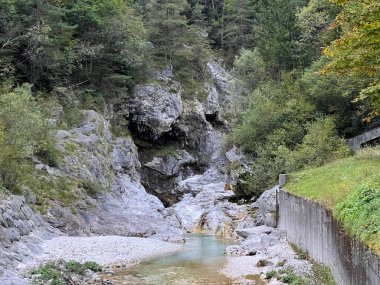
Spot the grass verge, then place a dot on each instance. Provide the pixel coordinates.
(350, 188)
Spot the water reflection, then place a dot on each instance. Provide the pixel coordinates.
(199, 263)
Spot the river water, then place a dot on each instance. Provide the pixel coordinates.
(198, 263)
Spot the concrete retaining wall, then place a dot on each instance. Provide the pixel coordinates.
(312, 228)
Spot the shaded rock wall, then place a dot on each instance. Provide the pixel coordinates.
(311, 227)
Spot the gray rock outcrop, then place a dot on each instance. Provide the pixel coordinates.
(206, 207)
(21, 234)
(265, 249)
(155, 108)
(161, 175)
(121, 206)
(266, 207)
(219, 75)
(212, 104)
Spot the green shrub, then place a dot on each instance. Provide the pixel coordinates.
(289, 277)
(92, 188)
(92, 266)
(321, 144)
(270, 274)
(48, 272)
(72, 117)
(322, 275)
(91, 100)
(49, 154)
(301, 254)
(75, 267)
(61, 272)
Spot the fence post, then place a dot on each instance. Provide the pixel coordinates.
(281, 180)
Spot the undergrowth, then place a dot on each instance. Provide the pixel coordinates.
(62, 273)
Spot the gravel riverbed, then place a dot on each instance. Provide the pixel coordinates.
(105, 250)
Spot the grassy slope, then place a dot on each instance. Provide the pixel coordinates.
(351, 189)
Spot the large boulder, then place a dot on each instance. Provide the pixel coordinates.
(155, 108)
(206, 207)
(266, 207)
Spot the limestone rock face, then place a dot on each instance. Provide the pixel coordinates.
(122, 207)
(266, 206)
(155, 108)
(211, 106)
(219, 75)
(129, 211)
(83, 147)
(21, 233)
(161, 175)
(170, 165)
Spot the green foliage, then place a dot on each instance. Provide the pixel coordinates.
(167, 24)
(333, 95)
(65, 42)
(250, 69)
(352, 192)
(301, 254)
(25, 126)
(61, 272)
(177, 44)
(358, 48)
(48, 272)
(49, 154)
(92, 188)
(270, 274)
(320, 275)
(93, 266)
(91, 100)
(276, 33)
(236, 27)
(320, 145)
(360, 212)
(23, 133)
(323, 274)
(313, 22)
(72, 117)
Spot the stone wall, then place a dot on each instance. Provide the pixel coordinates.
(312, 228)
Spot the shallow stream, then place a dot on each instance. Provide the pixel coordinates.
(198, 263)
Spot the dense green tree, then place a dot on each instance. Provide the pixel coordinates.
(314, 21)
(357, 51)
(276, 33)
(249, 69)
(167, 25)
(237, 24)
(23, 131)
